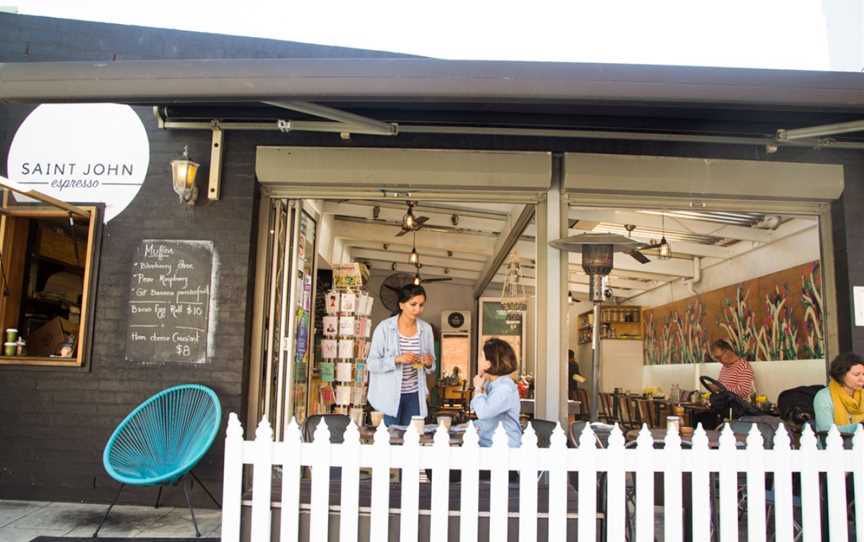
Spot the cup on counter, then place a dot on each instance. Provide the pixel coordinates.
(419, 423)
(446, 421)
(10, 348)
(673, 423)
(11, 335)
(377, 417)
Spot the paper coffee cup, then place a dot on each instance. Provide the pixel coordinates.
(11, 334)
(10, 348)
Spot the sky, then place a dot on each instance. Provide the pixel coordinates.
(784, 34)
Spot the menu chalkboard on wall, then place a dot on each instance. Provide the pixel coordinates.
(170, 305)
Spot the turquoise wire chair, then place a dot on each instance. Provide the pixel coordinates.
(161, 441)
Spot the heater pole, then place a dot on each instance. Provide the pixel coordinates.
(595, 363)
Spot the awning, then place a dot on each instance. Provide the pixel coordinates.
(424, 80)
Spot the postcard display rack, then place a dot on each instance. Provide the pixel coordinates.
(346, 330)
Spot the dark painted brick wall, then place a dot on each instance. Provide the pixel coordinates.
(54, 423)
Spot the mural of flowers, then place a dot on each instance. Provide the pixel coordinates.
(766, 318)
(739, 325)
(811, 299)
(778, 337)
(690, 337)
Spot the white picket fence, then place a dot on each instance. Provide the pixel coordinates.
(629, 486)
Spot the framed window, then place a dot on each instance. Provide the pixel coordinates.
(47, 267)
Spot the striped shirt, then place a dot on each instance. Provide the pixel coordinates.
(738, 378)
(409, 345)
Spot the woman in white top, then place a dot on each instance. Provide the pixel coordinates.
(401, 354)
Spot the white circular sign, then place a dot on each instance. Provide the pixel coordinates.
(82, 153)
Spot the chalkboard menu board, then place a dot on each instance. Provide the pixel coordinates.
(170, 302)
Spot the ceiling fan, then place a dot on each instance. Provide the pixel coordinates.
(635, 253)
(411, 223)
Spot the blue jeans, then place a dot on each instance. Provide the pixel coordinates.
(409, 405)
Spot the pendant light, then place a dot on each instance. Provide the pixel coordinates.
(414, 257)
(664, 246)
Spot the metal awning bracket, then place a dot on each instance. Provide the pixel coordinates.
(214, 186)
(345, 122)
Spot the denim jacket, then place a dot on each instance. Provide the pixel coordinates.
(385, 375)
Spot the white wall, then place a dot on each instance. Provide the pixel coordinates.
(794, 250)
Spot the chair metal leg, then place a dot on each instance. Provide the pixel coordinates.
(200, 483)
(116, 497)
(158, 497)
(187, 491)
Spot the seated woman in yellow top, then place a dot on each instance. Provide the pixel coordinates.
(841, 403)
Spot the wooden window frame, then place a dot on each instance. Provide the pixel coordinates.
(86, 325)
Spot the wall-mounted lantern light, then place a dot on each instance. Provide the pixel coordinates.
(183, 173)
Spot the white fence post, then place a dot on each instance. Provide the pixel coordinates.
(468, 505)
(499, 491)
(349, 451)
(320, 499)
(756, 526)
(838, 529)
(262, 478)
(558, 485)
(587, 496)
(700, 490)
(410, 508)
(616, 506)
(728, 473)
(644, 486)
(528, 486)
(810, 505)
(289, 523)
(232, 480)
(783, 486)
(858, 481)
(379, 522)
(672, 508)
(439, 519)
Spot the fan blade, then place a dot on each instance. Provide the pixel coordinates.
(402, 232)
(442, 279)
(638, 256)
(420, 220)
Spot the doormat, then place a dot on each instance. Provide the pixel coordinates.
(114, 539)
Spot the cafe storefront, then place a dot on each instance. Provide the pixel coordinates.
(283, 192)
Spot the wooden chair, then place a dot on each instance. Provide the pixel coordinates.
(631, 417)
(645, 414)
(606, 409)
(584, 403)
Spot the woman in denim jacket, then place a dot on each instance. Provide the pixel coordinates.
(401, 355)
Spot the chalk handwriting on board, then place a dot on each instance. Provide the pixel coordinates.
(172, 314)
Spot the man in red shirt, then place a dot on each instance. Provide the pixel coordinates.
(736, 374)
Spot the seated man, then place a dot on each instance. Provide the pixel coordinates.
(736, 374)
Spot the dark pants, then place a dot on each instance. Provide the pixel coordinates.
(409, 405)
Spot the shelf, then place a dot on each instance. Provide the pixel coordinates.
(55, 261)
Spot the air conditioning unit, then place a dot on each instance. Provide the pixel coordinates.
(456, 321)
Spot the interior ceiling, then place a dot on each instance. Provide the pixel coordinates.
(459, 239)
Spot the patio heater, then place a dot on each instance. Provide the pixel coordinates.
(597, 251)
